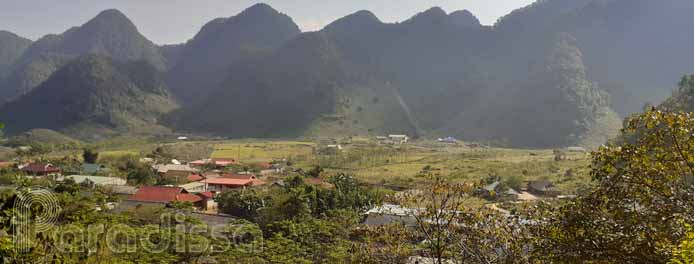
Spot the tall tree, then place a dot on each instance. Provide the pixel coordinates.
(642, 203)
(90, 156)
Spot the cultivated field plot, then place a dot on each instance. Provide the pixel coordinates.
(409, 166)
(263, 151)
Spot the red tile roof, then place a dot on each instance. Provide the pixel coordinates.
(206, 195)
(157, 194)
(238, 176)
(198, 162)
(230, 182)
(216, 162)
(195, 178)
(257, 182)
(40, 168)
(187, 197)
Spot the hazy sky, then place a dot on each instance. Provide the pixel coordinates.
(175, 21)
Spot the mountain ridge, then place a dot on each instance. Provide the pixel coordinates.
(95, 94)
(110, 33)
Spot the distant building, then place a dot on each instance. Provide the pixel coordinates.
(219, 163)
(399, 139)
(490, 191)
(41, 169)
(232, 182)
(543, 188)
(176, 172)
(448, 140)
(91, 168)
(393, 139)
(195, 178)
(194, 187)
(162, 195)
(390, 213)
(97, 180)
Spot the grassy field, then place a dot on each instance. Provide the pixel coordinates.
(263, 151)
(410, 165)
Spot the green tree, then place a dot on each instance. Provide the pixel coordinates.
(241, 203)
(684, 253)
(90, 156)
(140, 174)
(642, 200)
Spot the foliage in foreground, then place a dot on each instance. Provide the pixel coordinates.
(642, 202)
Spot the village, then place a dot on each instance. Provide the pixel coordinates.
(200, 182)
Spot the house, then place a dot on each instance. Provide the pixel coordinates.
(255, 181)
(390, 213)
(497, 191)
(399, 139)
(41, 169)
(448, 140)
(176, 172)
(194, 187)
(91, 168)
(543, 188)
(97, 180)
(271, 171)
(232, 182)
(195, 178)
(490, 191)
(208, 202)
(393, 139)
(164, 195)
(220, 185)
(219, 163)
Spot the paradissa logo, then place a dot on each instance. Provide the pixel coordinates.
(37, 212)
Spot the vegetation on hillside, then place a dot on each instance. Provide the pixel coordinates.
(93, 94)
(11, 48)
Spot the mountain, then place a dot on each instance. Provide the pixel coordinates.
(43, 136)
(632, 48)
(110, 33)
(11, 48)
(555, 105)
(636, 48)
(93, 95)
(206, 59)
(346, 74)
(428, 75)
(554, 73)
(172, 54)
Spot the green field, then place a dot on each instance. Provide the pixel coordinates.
(410, 165)
(263, 151)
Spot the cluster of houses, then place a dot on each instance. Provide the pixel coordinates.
(196, 187)
(190, 184)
